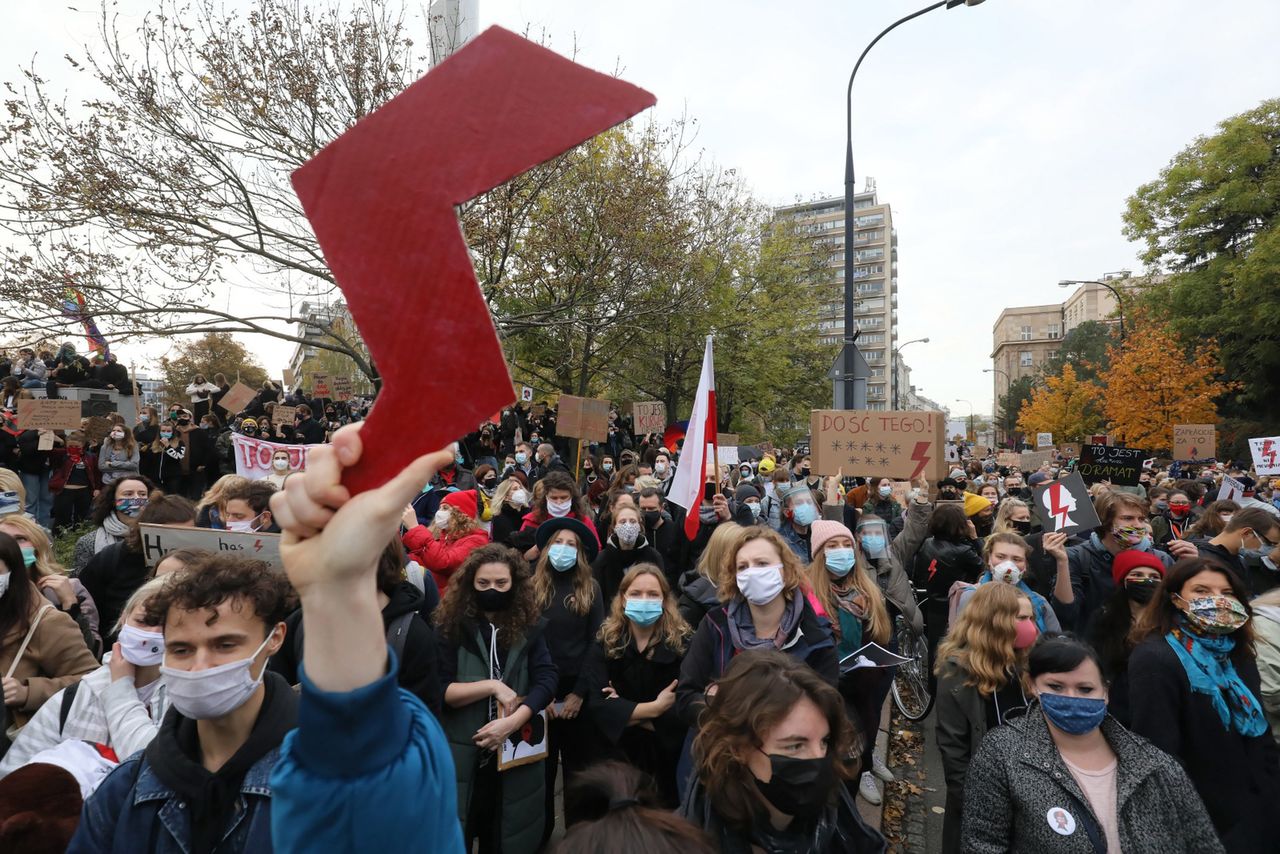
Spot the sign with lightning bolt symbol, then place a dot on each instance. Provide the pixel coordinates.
(1065, 507)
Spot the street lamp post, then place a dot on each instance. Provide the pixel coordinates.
(1066, 283)
(1008, 383)
(893, 365)
(855, 394)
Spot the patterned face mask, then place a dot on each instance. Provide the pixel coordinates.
(1215, 615)
(1129, 534)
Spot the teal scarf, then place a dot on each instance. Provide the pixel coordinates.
(1210, 671)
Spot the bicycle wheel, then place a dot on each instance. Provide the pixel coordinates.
(911, 692)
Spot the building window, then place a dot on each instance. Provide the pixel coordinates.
(1024, 359)
(1055, 330)
(1026, 333)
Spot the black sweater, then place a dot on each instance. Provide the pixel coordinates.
(570, 637)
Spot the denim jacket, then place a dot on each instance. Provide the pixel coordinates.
(134, 811)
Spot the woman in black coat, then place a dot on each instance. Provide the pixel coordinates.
(952, 553)
(639, 650)
(1195, 693)
(508, 505)
(624, 547)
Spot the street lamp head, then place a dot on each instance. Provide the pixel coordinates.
(1066, 283)
(951, 4)
(924, 340)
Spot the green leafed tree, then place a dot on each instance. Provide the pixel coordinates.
(212, 353)
(1011, 403)
(1085, 349)
(1212, 221)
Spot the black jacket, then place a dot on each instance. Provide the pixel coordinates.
(110, 577)
(669, 540)
(941, 563)
(505, 524)
(698, 595)
(419, 670)
(613, 562)
(1258, 576)
(1237, 776)
(309, 432)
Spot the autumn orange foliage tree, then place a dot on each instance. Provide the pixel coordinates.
(1066, 406)
(1154, 383)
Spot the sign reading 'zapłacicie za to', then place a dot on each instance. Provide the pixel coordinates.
(898, 445)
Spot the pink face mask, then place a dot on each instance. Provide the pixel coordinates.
(1026, 634)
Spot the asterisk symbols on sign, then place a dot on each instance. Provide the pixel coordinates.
(870, 462)
(835, 446)
(850, 446)
(853, 461)
(884, 462)
(879, 447)
(897, 449)
(866, 446)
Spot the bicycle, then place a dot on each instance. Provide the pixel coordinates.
(911, 692)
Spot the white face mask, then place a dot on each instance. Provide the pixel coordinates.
(760, 585)
(1006, 571)
(4, 583)
(520, 496)
(659, 468)
(141, 648)
(280, 464)
(244, 526)
(118, 435)
(441, 519)
(216, 691)
(559, 508)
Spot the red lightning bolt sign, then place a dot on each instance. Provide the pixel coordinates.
(1053, 500)
(381, 200)
(919, 456)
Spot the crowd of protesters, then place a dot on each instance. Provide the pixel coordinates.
(1114, 690)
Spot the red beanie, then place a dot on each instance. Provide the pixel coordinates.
(464, 500)
(1131, 559)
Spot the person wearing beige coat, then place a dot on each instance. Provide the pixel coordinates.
(55, 657)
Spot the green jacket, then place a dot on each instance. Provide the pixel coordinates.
(523, 801)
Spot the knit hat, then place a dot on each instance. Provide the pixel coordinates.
(957, 474)
(767, 465)
(745, 491)
(548, 529)
(464, 501)
(1130, 559)
(974, 504)
(248, 422)
(823, 530)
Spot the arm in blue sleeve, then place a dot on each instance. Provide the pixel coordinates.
(366, 770)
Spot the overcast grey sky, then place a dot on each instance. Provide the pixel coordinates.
(1006, 136)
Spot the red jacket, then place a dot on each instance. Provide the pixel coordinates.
(61, 463)
(442, 557)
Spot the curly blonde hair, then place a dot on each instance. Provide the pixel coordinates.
(671, 630)
(793, 575)
(980, 642)
(824, 586)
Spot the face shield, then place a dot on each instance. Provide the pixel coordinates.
(873, 536)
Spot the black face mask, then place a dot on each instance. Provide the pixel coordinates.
(799, 787)
(1141, 591)
(494, 600)
(1023, 527)
(652, 517)
(490, 482)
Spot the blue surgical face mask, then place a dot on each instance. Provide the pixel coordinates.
(804, 515)
(886, 491)
(839, 562)
(873, 545)
(28, 556)
(521, 458)
(643, 612)
(563, 556)
(1073, 715)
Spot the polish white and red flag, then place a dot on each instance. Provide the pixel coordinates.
(691, 472)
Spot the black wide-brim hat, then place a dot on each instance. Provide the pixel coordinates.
(548, 529)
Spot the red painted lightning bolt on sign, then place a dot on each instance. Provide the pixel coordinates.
(381, 199)
(921, 458)
(1056, 507)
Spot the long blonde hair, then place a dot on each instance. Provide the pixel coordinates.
(980, 642)
(671, 630)
(712, 561)
(878, 624)
(217, 494)
(584, 586)
(1003, 524)
(46, 562)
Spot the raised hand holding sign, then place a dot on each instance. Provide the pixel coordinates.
(381, 199)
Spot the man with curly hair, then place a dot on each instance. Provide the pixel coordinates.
(203, 782)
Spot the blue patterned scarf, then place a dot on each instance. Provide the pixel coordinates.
(1210, 671)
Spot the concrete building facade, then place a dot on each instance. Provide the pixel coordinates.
(875, 273)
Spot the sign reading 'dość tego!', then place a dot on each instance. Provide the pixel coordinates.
(898, 445)
(1121, 466)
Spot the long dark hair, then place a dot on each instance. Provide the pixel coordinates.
(620, 812)
(1161, 616)
(458, 609)
(15, 604)
(105, 504)
(1110, 633)
(948, 523)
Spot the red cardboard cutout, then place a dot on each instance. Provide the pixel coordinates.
(381, 200)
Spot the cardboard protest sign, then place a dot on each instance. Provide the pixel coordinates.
(727, 454)
(237, 398)
(583, 418)
(1009, 459)
(527, 744)
(320, 386)
(1064, 506)
(1121, 466)
(283, 414)
(726, 440)
(1266, 455)
(1231, 490)
(1070, 450)
(537, 410)
(899, 445)
(49, 414)
(253, 456)
(1195, 442)
(343, 388)
(1044, 440)
(381, 200)
(649, 417)
(290, 377)
(526, 394)
(953, 453)
(1032, 460)
(159, 540)
(45, 442)
(97, 428)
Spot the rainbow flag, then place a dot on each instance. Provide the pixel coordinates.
(74, 306)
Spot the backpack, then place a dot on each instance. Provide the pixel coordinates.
(68, 698)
